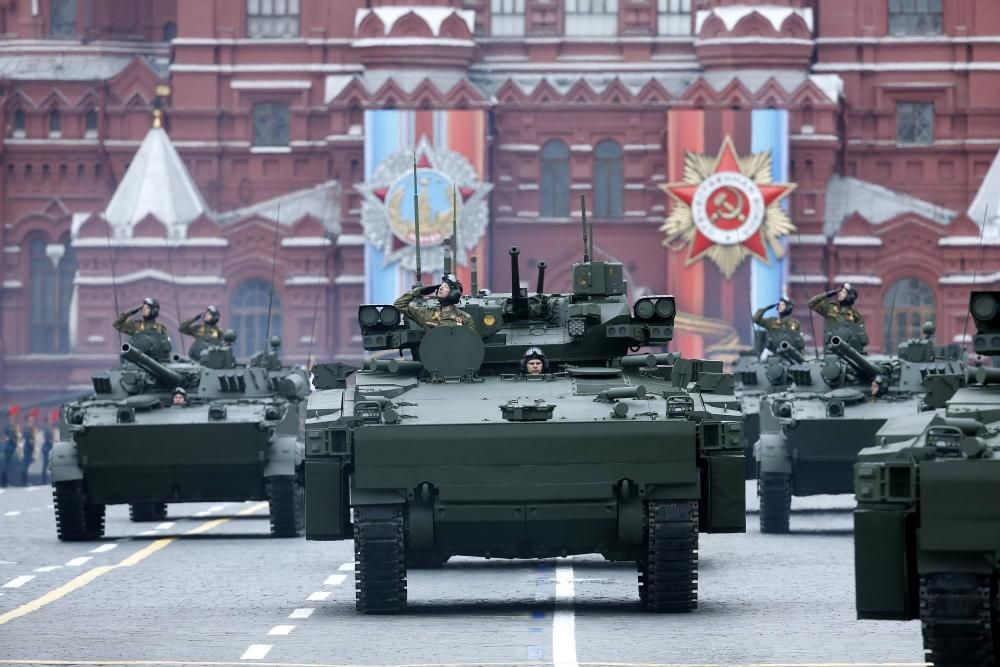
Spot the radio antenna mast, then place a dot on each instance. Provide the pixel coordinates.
(583, 218)
(416, 221)
(274, 266)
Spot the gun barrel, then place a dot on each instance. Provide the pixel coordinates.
(167, 377)
(986, 375)
(515, 281)
(541, 278)
(842, 349)
(786, 350)
(474, 269)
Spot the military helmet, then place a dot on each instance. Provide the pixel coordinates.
(154, 307)
(215, 313)
(789, 304)
(852, 294)
(455, 286)
(883, 384)
(534, 352)
(179, 390)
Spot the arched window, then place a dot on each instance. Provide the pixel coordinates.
(608, 179)
(169, 31)
(63, 18)
(555, 179)
(908, 303)
(19, 123)
(91, 124)
(248, 313)
(51, 269)
(55, 123)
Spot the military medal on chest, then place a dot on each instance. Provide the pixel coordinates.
(727, 208)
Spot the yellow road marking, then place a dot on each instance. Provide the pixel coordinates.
(93, 573)
(174, 663)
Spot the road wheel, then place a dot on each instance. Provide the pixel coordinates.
(380, 555)
(668, 570)
(775, 492)
(76, 519)
(958, 616)
(287, 498)
(142, 512)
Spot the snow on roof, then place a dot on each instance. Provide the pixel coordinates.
(321, 202)
(877, 204)
(71, 66)
(732, 14)
(157, 183)
(433, 16)
(987, 202)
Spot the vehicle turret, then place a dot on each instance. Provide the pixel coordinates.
(789, 352)
(858, 361)
(166, 377)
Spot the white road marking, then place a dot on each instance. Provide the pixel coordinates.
(7, 562)
(48, 568)
(103, 548)
(19, 581)
(304, 612)
(77, 562)
(335, 580)
(165, 525)
(216, 508)
(146, 533)
(34, 488)
(346, 567)
(256, 651)
(281, 630)
(563, 620)
(318, 596)
(12, 513)
(202, 513)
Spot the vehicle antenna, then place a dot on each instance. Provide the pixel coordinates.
(975, 269)
(812, 322)
(114, 280)
(173, 281)
(319, 295)
(583, 207)
(583, 217)
(274, 266)
(892, 314)
(454, 227)
(475, 276)
(416, 221)
(447, 255)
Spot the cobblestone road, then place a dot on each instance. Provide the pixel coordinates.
(209, 586)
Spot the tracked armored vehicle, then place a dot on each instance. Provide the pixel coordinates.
(927, 524)
(457, 451)
(812, 431)
(237, 438)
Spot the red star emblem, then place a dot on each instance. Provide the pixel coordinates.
(728, 210)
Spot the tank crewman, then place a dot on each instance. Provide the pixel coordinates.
(11, 436)
(782, 327)
(446, 314)
(205, 334)
(534, 362)
(841, 314)
(146, 333)
(179, 398)
(28, 444)
(49, 437)
(879, 387)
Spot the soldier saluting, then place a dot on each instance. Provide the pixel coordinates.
(448, 293)
(842, 318)
(147, 334)
(782, 327)
(205, 334)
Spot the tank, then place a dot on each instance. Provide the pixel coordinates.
(237, 438)
(927, 523)
(454, 450)
(811, 431)
(757, 374)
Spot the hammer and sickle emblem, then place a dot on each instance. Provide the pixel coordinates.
(725, 208)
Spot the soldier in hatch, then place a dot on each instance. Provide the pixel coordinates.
(147, 335)
(179, 398)
(879, 387)
(445, 314)
(534, 361)
(782, 327)
(205, 334)
(841, 317)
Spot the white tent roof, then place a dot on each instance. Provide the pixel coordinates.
(157, 183)
(985, 207)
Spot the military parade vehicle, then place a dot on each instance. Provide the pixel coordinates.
(154, 433)
(811, 431)
(456, 450)
(927, 523)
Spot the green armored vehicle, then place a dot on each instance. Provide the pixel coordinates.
(155, 433)
(460, 450)
(812, 431)
(927, 524)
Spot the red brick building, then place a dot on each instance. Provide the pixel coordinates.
(891, 108)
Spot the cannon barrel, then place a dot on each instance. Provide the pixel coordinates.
(166, 376)
(541, 278)
(842, 349)
(786, 350)
(986, 375)
(518, 303)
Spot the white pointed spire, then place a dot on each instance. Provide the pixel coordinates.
(157, 183)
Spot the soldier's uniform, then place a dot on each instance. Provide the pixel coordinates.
(840, 320)
(147, 336)
(428, 317)
(205, 336)
(28, 447)
(780, 328)
(11, 436)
